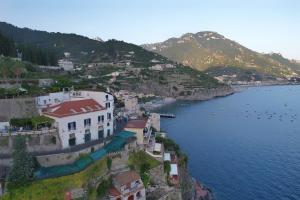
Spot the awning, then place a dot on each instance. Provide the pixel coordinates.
(174, 170)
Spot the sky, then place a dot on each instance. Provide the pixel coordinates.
(262, 25)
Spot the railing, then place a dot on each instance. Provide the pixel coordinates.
(133, 189)
(29, 132)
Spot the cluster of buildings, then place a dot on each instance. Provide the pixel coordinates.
(172, 159)
(81, 117)
(161, 67)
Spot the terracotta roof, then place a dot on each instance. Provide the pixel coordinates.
(70, 108)
(138, 123)
(126, 177)
(114, 192)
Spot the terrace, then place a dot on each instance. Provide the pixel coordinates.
(29, 126)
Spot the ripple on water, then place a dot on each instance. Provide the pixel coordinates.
(237, 149)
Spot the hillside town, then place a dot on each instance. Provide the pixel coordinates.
(64, 129)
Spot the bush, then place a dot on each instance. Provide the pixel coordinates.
(169, 144)
(23, 164)
(103, 187)
(108, 163)
(167, 167)
(145, 167)
(146, 179)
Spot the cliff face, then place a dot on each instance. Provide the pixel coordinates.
(205, 94)
(183, 93)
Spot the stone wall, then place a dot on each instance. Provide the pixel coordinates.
(36, 141)
(18, 107)
(65, 158)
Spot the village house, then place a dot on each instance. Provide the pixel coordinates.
(45, 82)
(142, 128)
(127, 186)
(66, 65)
(156, 67)
(80, 116)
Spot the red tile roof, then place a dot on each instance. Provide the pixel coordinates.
(126, 177)
(114, 192)
(138, 123)
(70, 108)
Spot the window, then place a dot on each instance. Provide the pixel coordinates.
(108, 132)
(101, 119)
(109, 116)
(108, 123)
(72, 126)
(87, 136)
(107, 105)
(72, 139)
(106, 97)
(87, 122)
(100, 134)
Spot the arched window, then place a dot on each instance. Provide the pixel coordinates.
(131, 197)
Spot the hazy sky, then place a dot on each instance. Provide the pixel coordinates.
(262, 25)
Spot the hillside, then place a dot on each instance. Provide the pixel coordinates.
(82, 49)
(114, 64)
(206, 51)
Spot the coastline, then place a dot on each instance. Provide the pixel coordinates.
(201, 95)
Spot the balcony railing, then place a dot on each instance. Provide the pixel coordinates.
(30, 132)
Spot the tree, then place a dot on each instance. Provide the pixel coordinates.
(145, 167)
(23, 163)
(108, 163)
(103, 187)
(167, 167)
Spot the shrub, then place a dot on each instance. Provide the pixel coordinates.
(103, 187)
(23, 163)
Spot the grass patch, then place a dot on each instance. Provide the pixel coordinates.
(137, 159)
(55, 188)
(142, 162)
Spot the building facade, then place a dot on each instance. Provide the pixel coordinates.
(142, 128)
(80, 116)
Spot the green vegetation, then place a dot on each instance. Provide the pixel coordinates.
(142, 162)
(31, 53)
(31, 123)
(103, 187)
(138, 160)
(131, 61)
(169, 144)
(167, 167)
(108, 163)
(55, 188)
(23, 164)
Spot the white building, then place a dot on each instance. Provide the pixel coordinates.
(156, 67)
(127, 186)
(66, 65)
(80, 116)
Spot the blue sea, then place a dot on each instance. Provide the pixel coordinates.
(245, 146)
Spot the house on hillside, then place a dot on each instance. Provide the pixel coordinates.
(142, 128)
(66, 65)
(127, 186)
(80, 116)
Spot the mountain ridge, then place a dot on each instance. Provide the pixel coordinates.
(207, 49)
(116, 65)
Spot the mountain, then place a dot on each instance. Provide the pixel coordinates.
(212, 52)
(114, 64)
